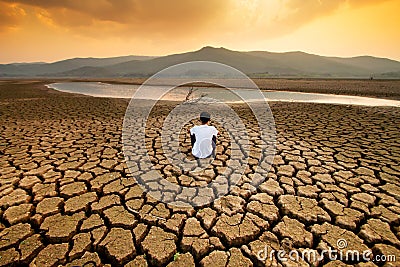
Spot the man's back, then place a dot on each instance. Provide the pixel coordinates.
(203, 145)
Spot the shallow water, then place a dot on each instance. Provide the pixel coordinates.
(99, 89)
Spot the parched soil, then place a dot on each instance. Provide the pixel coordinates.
(389, 89)
(67, 197)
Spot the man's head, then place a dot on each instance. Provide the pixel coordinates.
(205, 117)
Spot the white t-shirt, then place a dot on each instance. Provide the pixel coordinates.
(202, 148)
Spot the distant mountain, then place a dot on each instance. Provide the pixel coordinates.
(255, 64)
(242, 61)
(390, 75)
(372, 64)
(84, 72)
(314, 65)
(68, 65)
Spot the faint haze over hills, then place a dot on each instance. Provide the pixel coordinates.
(255, 64)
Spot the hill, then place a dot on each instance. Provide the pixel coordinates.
(255, 64)
(48, 69)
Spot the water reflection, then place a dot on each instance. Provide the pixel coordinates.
(99, 89)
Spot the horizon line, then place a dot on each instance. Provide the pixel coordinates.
(190, 51)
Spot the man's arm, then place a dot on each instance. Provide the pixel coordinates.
(214, 138)
(192, 139)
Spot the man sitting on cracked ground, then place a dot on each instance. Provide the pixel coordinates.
(203, 138)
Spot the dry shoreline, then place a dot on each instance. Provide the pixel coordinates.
(386, 89)
(66, 195)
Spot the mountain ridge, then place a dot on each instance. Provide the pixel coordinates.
(253, 63)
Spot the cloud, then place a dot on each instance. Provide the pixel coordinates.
(133, 16)
(161, 19)
(287, 16)
(10, 15)
(304, 11)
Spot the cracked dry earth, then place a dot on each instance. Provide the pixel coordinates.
(68, 199)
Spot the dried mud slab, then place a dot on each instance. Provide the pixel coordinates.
(67, 197)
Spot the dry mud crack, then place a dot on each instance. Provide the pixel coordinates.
(67, 197)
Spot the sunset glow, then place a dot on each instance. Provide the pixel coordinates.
(54, 30)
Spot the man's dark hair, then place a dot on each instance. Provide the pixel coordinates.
(205, 117)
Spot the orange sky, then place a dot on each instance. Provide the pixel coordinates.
(50, 30)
